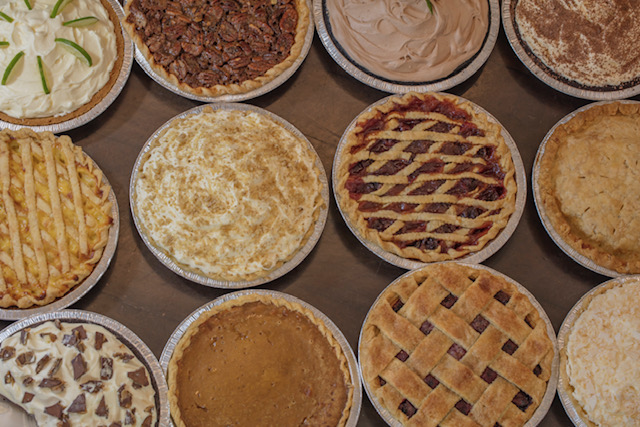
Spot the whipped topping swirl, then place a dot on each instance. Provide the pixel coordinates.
(71, 82)
(401, 40)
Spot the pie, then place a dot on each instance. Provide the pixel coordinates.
(221, 47)
(599, 360)
(588, 184)
(259, 360)
(426, 177)
(230, 195)
(75, 87)
(55, 216)
(76, 374)
(453, 344)
(580, 43)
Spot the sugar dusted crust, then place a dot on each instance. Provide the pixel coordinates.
(588, 183)
(230, 195)
(304, 20)
(385, 239)
(235, 303)
(66, 233)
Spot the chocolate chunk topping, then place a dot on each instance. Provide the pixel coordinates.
(125, 357)
(55, 410)
(25, 358)
(79, 405)
(124, 397)
(58, 324)
(431, 381)
(8, 378)
(7, 353)
(456, 351)
(102, 410)
(69, 340)
(100, 339)
(489, 375)
(91, 386)
(463, 406)
(55, 367)
(28, 397)
(24, 336)
(42, 363)
(79, 366)
(27, 381)
(80, 332)
(52, 383)
(139, 378)
(106, 368)
(402, 356)
(407, 408)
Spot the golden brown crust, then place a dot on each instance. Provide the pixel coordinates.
(481, 213)
(183, 344)
(588, 184)
(56, 216)
(304, 20)
(443, 337)
(97, 97)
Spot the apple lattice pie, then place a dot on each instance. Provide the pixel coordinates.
(426, 177)
(55, 217)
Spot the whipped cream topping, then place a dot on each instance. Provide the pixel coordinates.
(72, 83)
(603, 350)
(401, 40)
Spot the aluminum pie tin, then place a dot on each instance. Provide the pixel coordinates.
(572, 408)
(124, 334)
(542, 213)
(550, 392)
(108, 99)
(298, 257)
(178, 333)
(551, 79)
(82, 288)
(475, 257)
(268, 87)
(360, 73)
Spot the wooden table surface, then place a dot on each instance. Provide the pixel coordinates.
(340, 277)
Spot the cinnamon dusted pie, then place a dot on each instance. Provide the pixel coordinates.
(258, 359)
(426, 177)
(55, 217)
(219, 47)
(588, 184)
(455, 345)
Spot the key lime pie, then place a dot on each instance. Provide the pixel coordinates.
(58, 59)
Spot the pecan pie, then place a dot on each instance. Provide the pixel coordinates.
(599, 367)
(588, 184)
(54, 219)
(426, 177)
(453, 344)
(218, 47)
(259, 360)
(76, 374)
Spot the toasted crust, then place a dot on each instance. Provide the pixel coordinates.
(304, 21)
(588, 184)
(57, 217)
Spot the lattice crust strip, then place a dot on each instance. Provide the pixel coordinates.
(427, 177)
(54, 217)
(455, 345)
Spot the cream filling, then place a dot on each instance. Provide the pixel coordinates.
(71, 82)
(401, 40)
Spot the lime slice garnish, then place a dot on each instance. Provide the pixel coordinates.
(81, 22)
(45, 87)
(60, 4)
(4, 44)
(6, 17)
(11, 66)
(28, 4)
(76, 50)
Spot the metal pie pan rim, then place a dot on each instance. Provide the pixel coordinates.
(285, 268)
(354, 371)
(266, 88)
(457, 77)
(122, 332)
(550, 391)
(79, 290)
(475, 257)
(563, 335)
(537, 197)
(106, 101)
(517, 47)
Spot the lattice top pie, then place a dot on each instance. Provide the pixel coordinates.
(454, 345)
(426, 177)
(54, 217)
